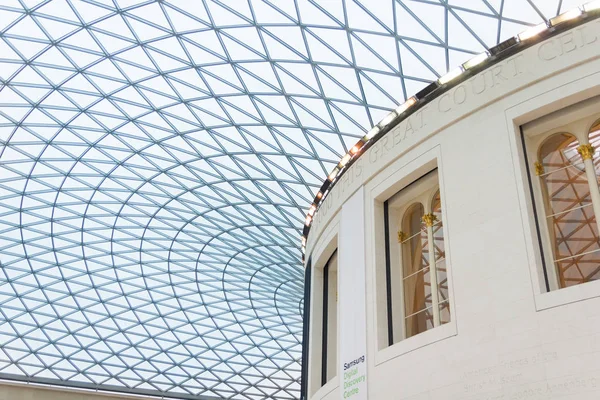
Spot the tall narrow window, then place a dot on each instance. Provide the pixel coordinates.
(330, 321)
(564, 175)
(421, 302)
(323, 359)
(567, 177)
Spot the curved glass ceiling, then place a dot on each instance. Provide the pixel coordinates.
(156, 160)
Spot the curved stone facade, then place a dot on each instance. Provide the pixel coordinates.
(510, 335)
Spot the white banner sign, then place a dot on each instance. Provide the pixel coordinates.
(352, 299)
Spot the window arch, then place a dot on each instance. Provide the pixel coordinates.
(568, 182)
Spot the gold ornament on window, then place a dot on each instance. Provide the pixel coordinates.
(586, 151)
(429, 219)
(539, 168)
(401, 236)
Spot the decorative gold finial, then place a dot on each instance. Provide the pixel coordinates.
(586, 151)
(401, 236)
(429, 219)
(539, 168)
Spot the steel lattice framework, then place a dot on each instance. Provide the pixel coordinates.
(156, 159)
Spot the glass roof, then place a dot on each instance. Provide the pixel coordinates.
(156, 161)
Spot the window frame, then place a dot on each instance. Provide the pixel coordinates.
(576, 120)
(389, 181)
(576, 97)
(325, 338)
(320, 255)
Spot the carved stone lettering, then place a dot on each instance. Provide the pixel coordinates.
(567, 43)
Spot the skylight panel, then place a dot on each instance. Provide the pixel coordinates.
(158, 158)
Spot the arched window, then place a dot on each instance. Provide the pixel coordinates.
(420, 300)
(570, 197)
